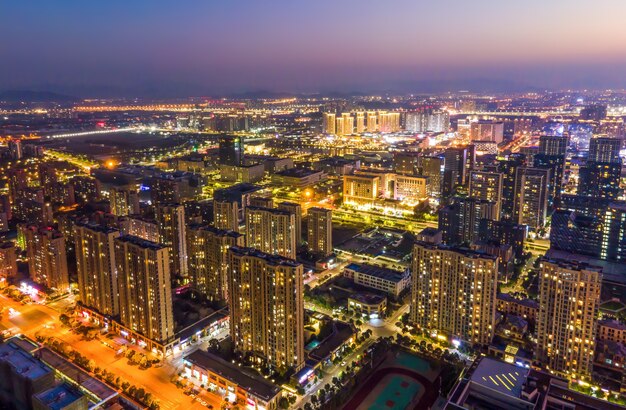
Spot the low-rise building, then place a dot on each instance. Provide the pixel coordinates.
(61, 397)
(298, 177)
(368, 303)
(611, 330)
(230, 381)
(525, 308)
(390, 281)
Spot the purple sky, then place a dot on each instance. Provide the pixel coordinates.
(200, 47)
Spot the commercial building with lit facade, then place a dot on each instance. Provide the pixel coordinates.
(266, 308)
(569, 294)
(453, 292)
(361, 189)
(231, 382)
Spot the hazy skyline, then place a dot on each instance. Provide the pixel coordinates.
(199, 47)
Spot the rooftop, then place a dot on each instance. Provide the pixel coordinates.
(21, 360)
(502, 377)
(253, 384)
(58, 397)
(214, 230)
(234, 193)
(525, 302)
(297, 172)
(274, 260)
(367, 298)
(135, 240)
(377, 271)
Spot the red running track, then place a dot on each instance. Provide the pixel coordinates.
(428, 398)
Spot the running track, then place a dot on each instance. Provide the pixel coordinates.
(428, 398)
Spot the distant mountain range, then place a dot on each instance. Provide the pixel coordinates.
(14, 96)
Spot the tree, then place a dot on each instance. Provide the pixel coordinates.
(283, 403)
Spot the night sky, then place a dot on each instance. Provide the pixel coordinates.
(204, 47)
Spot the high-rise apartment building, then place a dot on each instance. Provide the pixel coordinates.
(266, 308)
(460, 221)
(145, 292)
(295, 209)
(124, 201)
(604, 149)
(569, 294)
(8, 260)
(487, 130)
(47, 260)
(320, 231)
(531, 196)
(388, 121)
(339, 126)
(600, 177)
(457, 164)
(231, 150)
(95, 265)
(208, 259)
(431, 167)
(551, 155)
(454, 292)
(226, 215)
(360, 122)
(328, 123)
(348, 123)
(372, 122)
(487, 186)
(171, 221)
(271, 231)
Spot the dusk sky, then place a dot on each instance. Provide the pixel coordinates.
(204, 47)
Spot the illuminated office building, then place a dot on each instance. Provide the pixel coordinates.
(361, 189)
(271, 231)
(95, 265)
(453, 292)
(320, 231)
(145, 292)
(208, 259)
(266, 308)
(569, 294)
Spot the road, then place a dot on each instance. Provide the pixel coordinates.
(35, 319)
(330, 372)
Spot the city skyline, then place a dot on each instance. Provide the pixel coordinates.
(194, 49)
